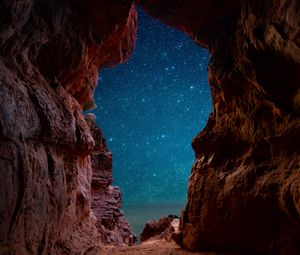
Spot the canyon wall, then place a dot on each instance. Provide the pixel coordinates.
(50, 52)
(106, 199)
(244, 188)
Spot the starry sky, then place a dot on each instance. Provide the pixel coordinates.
(150, 108)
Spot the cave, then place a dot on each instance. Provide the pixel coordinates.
(56, 170)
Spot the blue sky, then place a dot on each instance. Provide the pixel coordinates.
(150, 108)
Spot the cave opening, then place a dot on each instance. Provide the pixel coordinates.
(149, 109)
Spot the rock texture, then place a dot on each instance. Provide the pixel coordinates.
(106, 199)
(164, 228)
(49, 57)
(244, 189)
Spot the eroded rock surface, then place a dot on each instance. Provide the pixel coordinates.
(164, 228)
(244, 189)
(49, 57)
(106, 199)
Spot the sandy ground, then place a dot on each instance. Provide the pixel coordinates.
(156, 247)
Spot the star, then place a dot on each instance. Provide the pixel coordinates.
(150, 108)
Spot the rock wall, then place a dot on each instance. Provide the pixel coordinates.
(49, 57)
(244, 188)
(106, 199)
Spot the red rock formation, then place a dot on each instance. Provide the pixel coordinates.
(244, 190)
(49, 57)
(106, 199)
(164, 228)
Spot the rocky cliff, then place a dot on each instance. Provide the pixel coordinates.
(49, 57)
(106, 199)
(244, 189)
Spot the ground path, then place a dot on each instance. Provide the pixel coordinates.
(156, 247)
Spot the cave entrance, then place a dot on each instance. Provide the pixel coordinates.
(149, 110)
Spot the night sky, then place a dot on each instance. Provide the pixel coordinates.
(150, 108)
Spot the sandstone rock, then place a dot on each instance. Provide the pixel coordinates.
(106, 199)
(244, 189)
(164, 228)
(49, 57)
